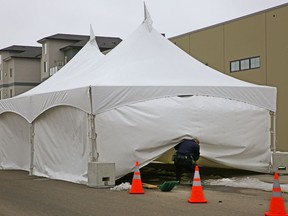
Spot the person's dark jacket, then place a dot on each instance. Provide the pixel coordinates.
(188, 148)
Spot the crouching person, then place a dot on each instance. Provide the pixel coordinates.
(187, 153)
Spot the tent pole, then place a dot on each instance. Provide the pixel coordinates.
(273, 130)
(32, 134)
(92, 133)
(92, 138)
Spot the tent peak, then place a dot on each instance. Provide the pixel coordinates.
(147, 18)
(92, 37)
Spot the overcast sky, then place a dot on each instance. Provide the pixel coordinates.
(23, 22)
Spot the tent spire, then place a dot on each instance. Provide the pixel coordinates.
(147, 18)
(92, 37)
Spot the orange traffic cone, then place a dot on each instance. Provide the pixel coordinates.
(136, 187)
(277, 207)
(197, 195)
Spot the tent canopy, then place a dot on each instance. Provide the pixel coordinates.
(145, 66)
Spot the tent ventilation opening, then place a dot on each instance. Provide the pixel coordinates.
(106, 180)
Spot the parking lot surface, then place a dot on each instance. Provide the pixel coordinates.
(21, 194)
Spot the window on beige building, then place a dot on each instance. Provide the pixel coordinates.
(11, 93)
(255, 62)
(245, 64)
(0, 95)
(234, 66)
(10, 72)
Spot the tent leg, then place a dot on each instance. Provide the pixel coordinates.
(32, 134)
(92, 131)
(92, 138)
(100, 174)
(273, 131)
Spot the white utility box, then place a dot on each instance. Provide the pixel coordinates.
(280, 162)
(101, 174)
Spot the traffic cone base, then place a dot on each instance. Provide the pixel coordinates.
(136, 187)
(197, 195)
(277, 207)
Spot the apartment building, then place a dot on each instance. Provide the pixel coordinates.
(58, 49)
(19, 69)
(253, 48)
(24, 67)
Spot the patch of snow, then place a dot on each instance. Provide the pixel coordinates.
(121, 187)
(245, 182)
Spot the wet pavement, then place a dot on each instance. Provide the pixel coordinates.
(21, 194)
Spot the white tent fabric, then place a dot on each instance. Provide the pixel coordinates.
(14, 142)
(62, 149)
(134, 92)
(232, 133)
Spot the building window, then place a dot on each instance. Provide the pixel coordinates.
(10, 72)
(45, 67)
(0, 95)
(234, 66)
(255, 62)
(11, 93)
(0, 74)
(45, 48)
(245, 64)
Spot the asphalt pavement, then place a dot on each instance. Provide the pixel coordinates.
(23, 195)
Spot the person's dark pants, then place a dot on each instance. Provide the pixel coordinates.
(180, 164)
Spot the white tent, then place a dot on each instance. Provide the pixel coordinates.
(28, 143)
(144, 97)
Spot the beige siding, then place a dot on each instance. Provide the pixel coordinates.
(207, 47)
(4, 68)
(25, 74)
(11, 65)
(277, 67)
(183, 43)
(27, 70)
(20, 89)
(54, 56)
